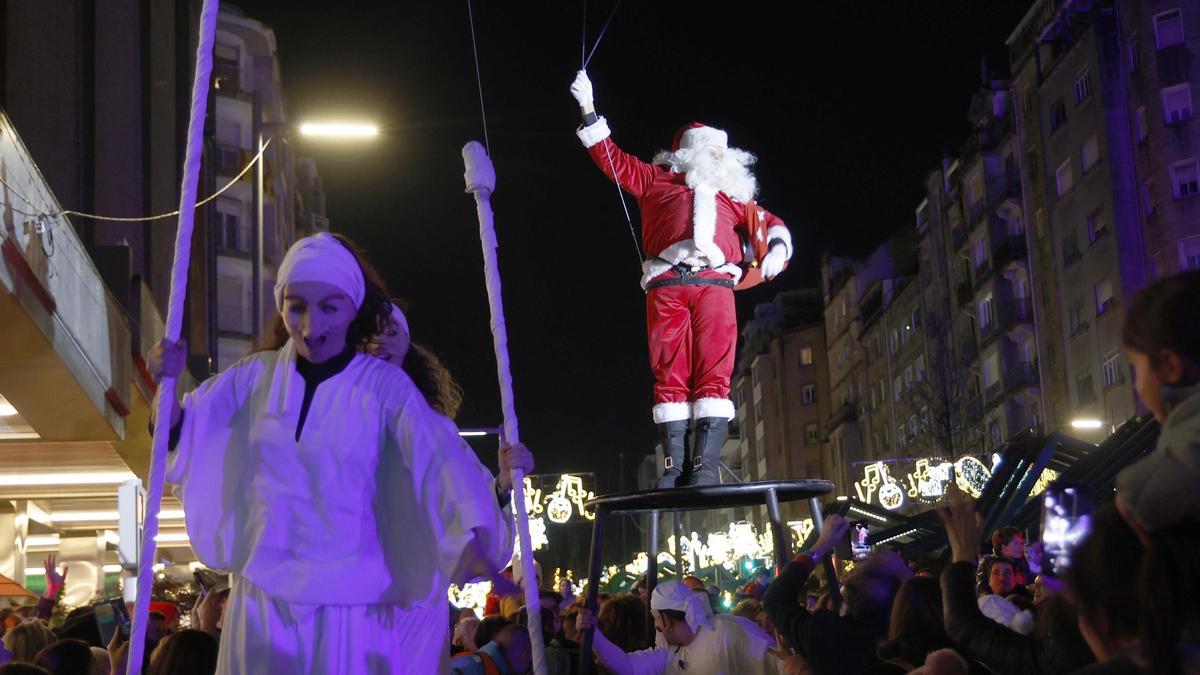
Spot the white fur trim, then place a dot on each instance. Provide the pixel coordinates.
(701, 137)
(675, 254)
(781, 232)
(671, 412)
(713, 407)
(704, 223)
(594, 133)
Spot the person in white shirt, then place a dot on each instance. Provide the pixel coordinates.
(319, 476)
(690, 640)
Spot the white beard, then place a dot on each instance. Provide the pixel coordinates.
(727, 170)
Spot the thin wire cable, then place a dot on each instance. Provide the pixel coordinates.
(601, 36)
(583, 40)
(478, 79)
(624, 207)
(161, 216)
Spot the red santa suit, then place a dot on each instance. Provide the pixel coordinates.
(690, 233)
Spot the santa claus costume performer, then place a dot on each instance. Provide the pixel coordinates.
(693, 201)
(342, 503)
(690, 639)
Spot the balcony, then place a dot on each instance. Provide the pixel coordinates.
(993, 392)
(964, 294)
(958, 236)
(1010, 249)
(1024, 374)
(1015, 311)
(65, 345)
(229, 160)
(968, 349)
(844, 414)
(982, 272)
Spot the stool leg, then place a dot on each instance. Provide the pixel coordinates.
(678, 549)
(782, 545)
(586, 665)
(651, 567)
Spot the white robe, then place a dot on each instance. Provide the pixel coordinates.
(349, 536)
(732, 645)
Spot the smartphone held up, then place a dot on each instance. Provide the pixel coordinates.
(1066, 522)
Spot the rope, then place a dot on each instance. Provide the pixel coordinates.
(478, 79)
(600, 37)
(138, 219)
(175, 307)
(583, 40)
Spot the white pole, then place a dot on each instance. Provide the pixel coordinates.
(481, 181)
(179, 270)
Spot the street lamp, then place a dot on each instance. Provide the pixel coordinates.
(1086, 423)
(338, 130)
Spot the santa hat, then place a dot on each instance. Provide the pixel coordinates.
(680, 597)
(697, 135)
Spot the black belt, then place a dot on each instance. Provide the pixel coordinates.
(690, 280)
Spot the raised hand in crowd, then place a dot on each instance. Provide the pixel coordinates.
(963, 524)
(834, 531)
(54, 580)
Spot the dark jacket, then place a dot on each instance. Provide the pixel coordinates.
(1000, 649)
(831, 644)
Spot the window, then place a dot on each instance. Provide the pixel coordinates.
(225, 66)
(991, 369)
(806, 356)
(1063, 180)
(1133, 54)
(754, 377)
(1084, 391)
(985, 313)
(1177, 103)
(1185, 178)
(1104, 296)
(1075, 317)
(994, 433)
(912, 426)
(233, 310)
(1097, 225)
(919, 367)
(896, 389)
(1189, 254)
(1112, 368)
(1089, 154)
(1168, 29)
(1139, 124)
(810, 433)
(1148, 198)
(979, 252)
(808, 394)
(925, 417)
(900, 437)
(231, 234)
(874, 400)
(893, 341)
(915, 320)
(908, 378)
(1070, 249)
(1058, 114)
(1083, 85)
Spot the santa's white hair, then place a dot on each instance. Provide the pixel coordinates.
(727, 169)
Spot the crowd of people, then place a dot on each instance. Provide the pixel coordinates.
(1129, 601)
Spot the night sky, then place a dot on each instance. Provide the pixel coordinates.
(847, 105)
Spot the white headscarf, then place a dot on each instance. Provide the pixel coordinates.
(321, 257)
(400, 319)
(679, 596)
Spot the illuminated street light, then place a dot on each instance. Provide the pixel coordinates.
(1086, 424)
(338, 130)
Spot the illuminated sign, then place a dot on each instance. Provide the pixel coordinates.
(559, 497)
(925, 483)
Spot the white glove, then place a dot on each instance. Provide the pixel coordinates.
(774, 261)
(581, 89)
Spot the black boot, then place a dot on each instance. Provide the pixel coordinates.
(707, 439)
(673, 435)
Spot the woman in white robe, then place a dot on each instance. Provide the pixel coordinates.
(342, 503)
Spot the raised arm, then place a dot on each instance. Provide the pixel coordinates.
(631, 173)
